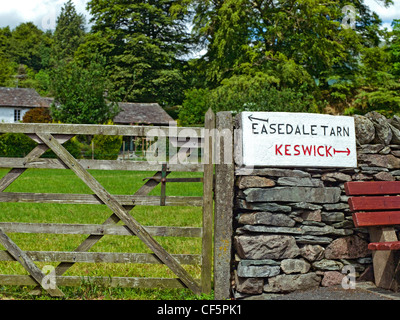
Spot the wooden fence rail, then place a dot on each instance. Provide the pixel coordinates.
(52, 136)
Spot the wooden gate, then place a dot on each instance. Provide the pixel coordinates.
(52, 136)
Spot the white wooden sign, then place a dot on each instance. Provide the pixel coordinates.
(281, 139)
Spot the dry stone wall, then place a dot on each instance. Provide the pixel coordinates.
(303, 236)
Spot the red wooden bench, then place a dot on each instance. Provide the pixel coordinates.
(376, 205)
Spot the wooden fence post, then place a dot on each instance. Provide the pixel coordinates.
(224, 191)
(208, 203)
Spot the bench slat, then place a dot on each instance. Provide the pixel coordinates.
(393, 245)
(374, 203)
(357, 188)
(377, 218)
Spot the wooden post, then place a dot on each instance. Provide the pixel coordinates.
(123, 150)
(208, 204)
(384, 261)
(163, 184)
(224, 193)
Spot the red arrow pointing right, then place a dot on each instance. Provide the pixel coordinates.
(339, 151)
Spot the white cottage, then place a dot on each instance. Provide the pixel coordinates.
(15, 102)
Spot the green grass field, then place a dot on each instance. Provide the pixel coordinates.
(116, 182)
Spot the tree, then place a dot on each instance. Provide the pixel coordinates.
(15, 145)
(380, 86)
(394, 48)
(69, 33)
(194, 107)
(305, 39)
(27, 46)
(7, 67)
(244, 93)
(24, 52)
(80, 94)
(146, 42)
(6, 71)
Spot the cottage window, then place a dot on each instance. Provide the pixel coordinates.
(17, 115)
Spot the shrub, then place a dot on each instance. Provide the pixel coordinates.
(244, 93)
(37, 115)
(15, 145)
(106, 147)
(194, 107)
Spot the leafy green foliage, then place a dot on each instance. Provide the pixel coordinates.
(394, 48)
(302, 44)
(145, 42)
(79, 94)
(24, 51)
(15, 145)
(194, 107)
(18, 145)
(6, 71)
(27, 46)
(69, 33)
(379, 86)
(384, 97)
(43, 82)
(79, 86)
(244, 93)
(73, 146)
(107, 147)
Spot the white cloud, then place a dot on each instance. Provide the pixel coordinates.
(386, 14)
(41, 12)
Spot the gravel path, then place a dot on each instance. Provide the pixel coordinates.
(363, 291)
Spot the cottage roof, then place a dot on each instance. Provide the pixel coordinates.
(142, 113)
(21, 98)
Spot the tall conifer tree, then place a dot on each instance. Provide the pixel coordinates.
(69, 33)
(148, 38)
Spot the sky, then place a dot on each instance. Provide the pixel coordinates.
(44, 12)
(386, 14)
